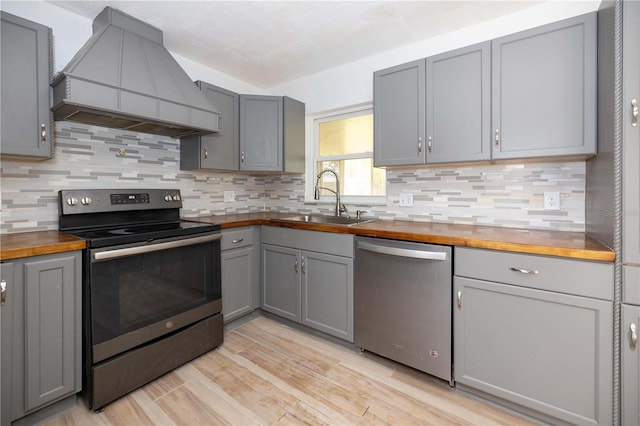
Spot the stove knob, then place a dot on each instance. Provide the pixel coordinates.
(176, 197)
(72, 201)
(86, 201)
(167, 198)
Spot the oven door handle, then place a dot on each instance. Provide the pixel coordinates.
(130, 251)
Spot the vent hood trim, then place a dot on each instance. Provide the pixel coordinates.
(159, 96)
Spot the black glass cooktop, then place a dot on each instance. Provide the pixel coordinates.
(104, 237)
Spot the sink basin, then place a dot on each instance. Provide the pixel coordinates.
(332, 220)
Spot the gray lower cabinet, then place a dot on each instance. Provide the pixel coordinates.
(272, 134)
(630, 365)
(307, 277)
(26, 68)
(41, 335)
(240, 272)
(216, 151)
(544, 90)
(549, 352)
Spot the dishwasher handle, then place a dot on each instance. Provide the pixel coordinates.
(402, 252)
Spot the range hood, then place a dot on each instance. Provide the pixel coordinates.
(124, 78)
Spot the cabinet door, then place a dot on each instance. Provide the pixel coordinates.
(630, 365)
(399, 115)
(216, 151)
(547, 351)
(281, 281)
(7, 345)
(237, 282)
(261, 133)
(52, 329)
(26, 72)
(544, 90)
(327, 293)
(631, 136)
(459, 105)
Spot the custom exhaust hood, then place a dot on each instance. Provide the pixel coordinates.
(124, 78)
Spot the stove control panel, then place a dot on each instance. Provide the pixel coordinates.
(106, 200)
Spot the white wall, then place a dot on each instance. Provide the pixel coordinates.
(352, 83)
(71, 31)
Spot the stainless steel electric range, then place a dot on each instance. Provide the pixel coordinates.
(151, 286)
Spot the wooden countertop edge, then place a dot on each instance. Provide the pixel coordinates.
(17, 253)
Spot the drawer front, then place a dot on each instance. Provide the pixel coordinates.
(631, 284)
(579, 277)
(235, 238)
(321, 242)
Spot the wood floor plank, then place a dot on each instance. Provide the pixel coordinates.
(269, 373)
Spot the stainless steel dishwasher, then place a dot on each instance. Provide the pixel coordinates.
(402, 297)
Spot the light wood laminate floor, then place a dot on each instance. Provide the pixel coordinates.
(269, 373)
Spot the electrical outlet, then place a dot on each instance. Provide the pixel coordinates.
(406, 199)
(229, 196)
(552, 201)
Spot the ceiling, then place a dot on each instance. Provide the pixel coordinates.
(266, 43)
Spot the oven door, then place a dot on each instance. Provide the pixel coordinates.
(139, 292)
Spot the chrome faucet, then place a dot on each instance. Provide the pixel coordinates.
(316, 195)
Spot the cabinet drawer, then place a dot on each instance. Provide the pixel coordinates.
(579, 277)
(321, 242)
(235, 238)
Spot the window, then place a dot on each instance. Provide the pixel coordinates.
(343, 143)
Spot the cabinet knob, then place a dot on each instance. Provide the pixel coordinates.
(419, 144)
(303, 266)
(43, 134)
(3, 293)
(459, 302)
(497, 138)
(295, 266)
(429, 144)
(242, 157)
(634, 113)
(206, 153)
(632, 329)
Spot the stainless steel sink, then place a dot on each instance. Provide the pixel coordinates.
(332, 220)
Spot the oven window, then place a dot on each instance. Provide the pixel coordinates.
(131, 292)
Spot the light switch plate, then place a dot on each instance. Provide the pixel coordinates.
(406, 199)
(552, 200)
(229, 196)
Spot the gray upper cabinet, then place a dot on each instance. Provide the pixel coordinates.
(459, 105)
(399, 115)
(272, 134)
(216, 151)
(41, 353)
(544, 90)
(27, 58)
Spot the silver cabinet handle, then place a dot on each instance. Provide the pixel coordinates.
(419, 144)
(524, 271)
(242, 157)
(634, 112)
(3, 297)
(239, 240)
(429, 144)
(295, 266)
(206, 153)
(43, 134)
(459, 299)
(497, 137)
(634, 336)
(303, 266)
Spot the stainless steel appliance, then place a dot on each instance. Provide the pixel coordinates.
(151, 286)
(402, 296)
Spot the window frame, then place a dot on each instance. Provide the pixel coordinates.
(312, 156)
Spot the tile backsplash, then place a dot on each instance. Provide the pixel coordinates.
(508, 195)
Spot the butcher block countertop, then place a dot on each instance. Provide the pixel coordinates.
(26, 244)
(576, 245)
